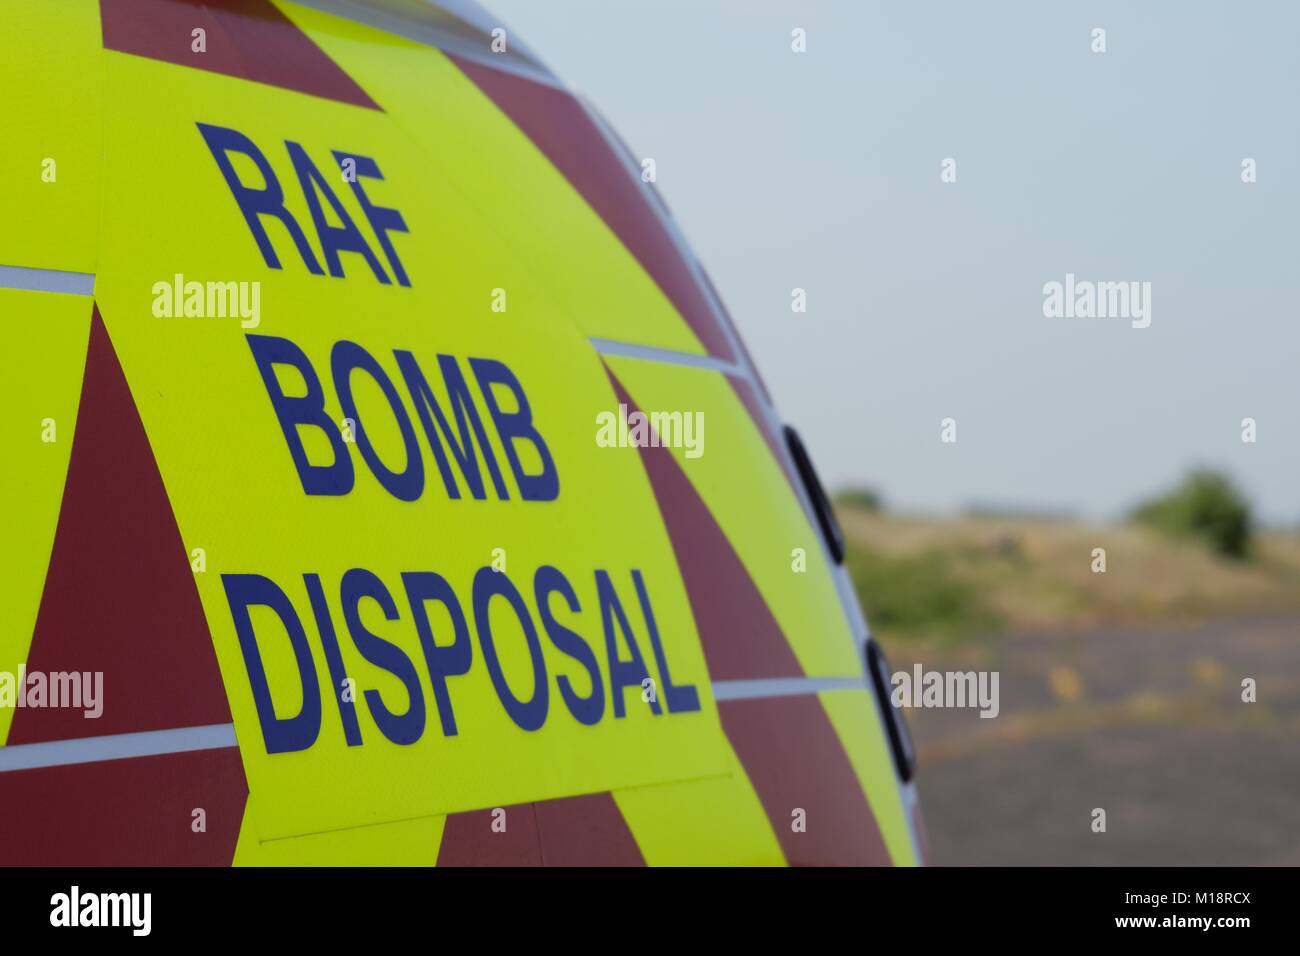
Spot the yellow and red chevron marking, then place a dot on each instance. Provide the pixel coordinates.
(480, 178)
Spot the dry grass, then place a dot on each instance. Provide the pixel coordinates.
(1036, 574)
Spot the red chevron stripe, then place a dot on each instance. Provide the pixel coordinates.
(587, 830)
(133, 812)
(795, 761)
(740, 637)
(250, 39)
(119, 595)
(787, 745)
(562, 129)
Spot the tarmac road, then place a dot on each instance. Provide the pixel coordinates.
(1149, 726)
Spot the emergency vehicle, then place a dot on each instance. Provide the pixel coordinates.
(313, 554)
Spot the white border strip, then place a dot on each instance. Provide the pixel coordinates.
(724, 690)
(443, 28)
(149, 743)
(651, 354)
(47, 280)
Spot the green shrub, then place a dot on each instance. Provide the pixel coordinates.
(918, 596)
(863, 499)
(1207, 506)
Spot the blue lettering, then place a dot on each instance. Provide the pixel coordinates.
(588, 710)
(347, 357)
(333, 239)
(335, 478)
(678, 697)
(622, 674)
(404, 728)
(382, 220)
(255, 203)
(466, 417)
(517, 426)
(529, 714)
(333, 658)
(281, 734)
(443, 660)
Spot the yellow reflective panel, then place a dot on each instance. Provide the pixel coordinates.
(713, 822)
(747, 492)
(41, 366)
(404, 843)
(524, 209)
(236, 490)
(49, 162)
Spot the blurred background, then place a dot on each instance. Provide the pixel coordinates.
(821, 171)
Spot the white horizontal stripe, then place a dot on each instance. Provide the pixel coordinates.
(47, 280)
(783, 687)
(59, 753)
(651, 354)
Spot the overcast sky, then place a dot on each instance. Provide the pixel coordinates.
(925, 299)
